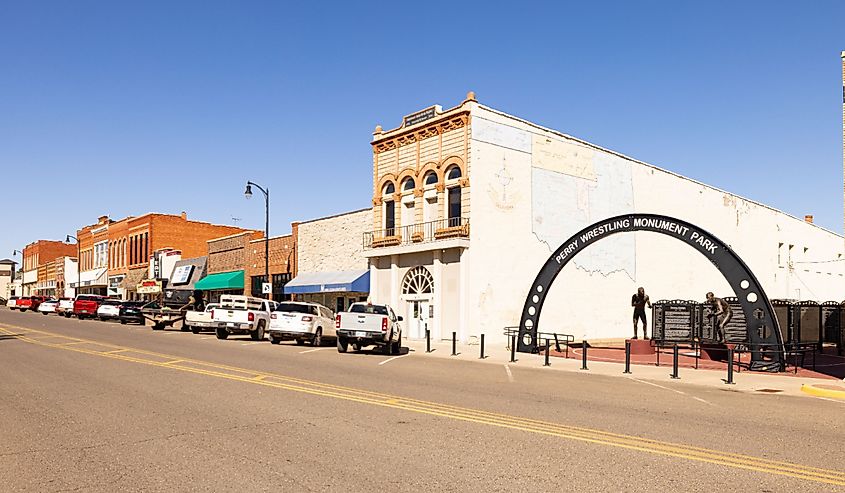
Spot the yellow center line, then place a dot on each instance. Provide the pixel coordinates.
(466, 414)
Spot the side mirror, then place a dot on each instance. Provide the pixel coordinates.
(400, 318)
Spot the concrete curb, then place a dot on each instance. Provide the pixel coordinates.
(822, 390)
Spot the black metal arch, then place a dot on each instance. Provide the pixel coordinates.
(763, 329)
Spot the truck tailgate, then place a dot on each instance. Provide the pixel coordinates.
(361, 322)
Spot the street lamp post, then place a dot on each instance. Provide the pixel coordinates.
(18, 252)
(78, 264)
(248, 195)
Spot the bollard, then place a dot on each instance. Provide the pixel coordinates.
(482, 347)
(675, 362)
(627, 357)
(454, 343)
(427, 341)
(730, 380)
(584, 355)
(513, 349)
(547, 354)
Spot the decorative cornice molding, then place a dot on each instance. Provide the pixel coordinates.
(451, 122)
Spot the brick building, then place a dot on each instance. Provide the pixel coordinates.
(116, 254)
(39, 253)
(227, 260)
(282, 266)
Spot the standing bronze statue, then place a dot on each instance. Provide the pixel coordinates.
(639, 302)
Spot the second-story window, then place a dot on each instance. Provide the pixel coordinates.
(388, 209)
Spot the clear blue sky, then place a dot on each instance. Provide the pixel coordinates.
(121, 108)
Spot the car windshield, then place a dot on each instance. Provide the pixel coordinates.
(294, 308)
(377, 309)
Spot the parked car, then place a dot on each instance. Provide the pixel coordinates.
(12, 303)
(242, 315)
(30, 303)
(48, 306)
(109, 309)
(65, 307)
(86, 305)
(366, 324)
(130, 311)
(301, 321)
(199, 320)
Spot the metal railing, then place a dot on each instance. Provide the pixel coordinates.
(442, 229)
(557, 337)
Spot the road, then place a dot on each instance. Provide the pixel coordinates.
(97, 406)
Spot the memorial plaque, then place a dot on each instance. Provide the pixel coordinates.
(657, 320)
(677, 321)
(809, 321)
(783, 312)
(831, 314)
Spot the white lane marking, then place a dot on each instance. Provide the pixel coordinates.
(251, 343)
(388, 360)
(510, 375)
(207, 338)
(312, 350)
(670, 389)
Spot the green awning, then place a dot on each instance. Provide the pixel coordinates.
(223, 280)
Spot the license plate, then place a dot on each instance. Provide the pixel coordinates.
(231, 324)
(360, 334)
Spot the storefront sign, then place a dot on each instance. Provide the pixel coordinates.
(149, 286)
(420, 116)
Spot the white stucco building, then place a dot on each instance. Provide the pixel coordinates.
(468, 204)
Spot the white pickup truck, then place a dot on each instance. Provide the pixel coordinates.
(242, 315)
(199, 320)
(366, 324)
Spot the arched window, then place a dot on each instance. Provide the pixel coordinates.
(389, 188)
(418, 281)
(408, 184)
(453, 173)
(430, 178)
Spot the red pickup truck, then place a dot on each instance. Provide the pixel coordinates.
(85, 305)
(30, 303)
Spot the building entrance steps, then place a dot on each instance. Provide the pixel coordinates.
(609, 361)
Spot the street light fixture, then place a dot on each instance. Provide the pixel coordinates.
(248, 195)
(78, 264)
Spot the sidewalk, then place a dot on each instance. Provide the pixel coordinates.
(746, 381)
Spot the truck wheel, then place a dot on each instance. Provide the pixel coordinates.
(356, 346)
(396, 347)
(258, 334)
(122, 322)
(274, 340)
(317, 340)
(300, 342)
(195, 330)
(342, 344)
(222, 333)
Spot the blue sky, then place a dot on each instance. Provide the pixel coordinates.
(122, 108)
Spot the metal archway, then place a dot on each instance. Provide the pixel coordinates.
(762, 325)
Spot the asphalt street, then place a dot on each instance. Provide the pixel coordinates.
(99, 406)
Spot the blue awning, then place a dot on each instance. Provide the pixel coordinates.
(355, 281)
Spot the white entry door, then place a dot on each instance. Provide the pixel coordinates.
(418, 318)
